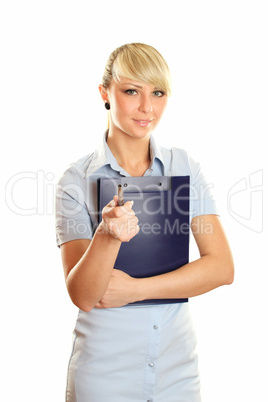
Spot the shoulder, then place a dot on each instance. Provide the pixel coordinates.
(180, 161)
(76, 171)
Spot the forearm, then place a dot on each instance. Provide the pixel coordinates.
(89, 278)
(193, 279)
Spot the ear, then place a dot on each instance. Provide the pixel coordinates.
(103, 93)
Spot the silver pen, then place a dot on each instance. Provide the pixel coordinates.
(120, 195)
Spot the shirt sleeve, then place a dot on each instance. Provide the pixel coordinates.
(72, 217)
(202, 201)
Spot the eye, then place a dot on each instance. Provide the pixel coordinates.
(131, 91)
(159, 93)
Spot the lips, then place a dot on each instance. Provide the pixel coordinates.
(143, 123)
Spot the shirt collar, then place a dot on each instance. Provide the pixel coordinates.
(103, 156)
(155, 151)
(100, 157)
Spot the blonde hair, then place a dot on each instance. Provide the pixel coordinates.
(138, 62)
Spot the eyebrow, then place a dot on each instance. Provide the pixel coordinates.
(134, 85)
(130, 83)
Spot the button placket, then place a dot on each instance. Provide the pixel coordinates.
(151, 364)
(152, 354)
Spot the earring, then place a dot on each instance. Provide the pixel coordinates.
(107, 106)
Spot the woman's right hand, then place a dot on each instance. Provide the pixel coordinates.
(120, 221)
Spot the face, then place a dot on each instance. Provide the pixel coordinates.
(136, 108)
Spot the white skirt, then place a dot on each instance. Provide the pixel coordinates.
(134, 354)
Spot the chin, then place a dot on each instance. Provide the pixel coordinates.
(141, 132)
(141, 135)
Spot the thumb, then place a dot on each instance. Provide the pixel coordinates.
(114, 202)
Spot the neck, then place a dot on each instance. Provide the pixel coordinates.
(132, 154)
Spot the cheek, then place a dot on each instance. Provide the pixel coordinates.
(160, 109)
(122, 108)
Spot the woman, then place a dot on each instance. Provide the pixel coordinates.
(137, 352)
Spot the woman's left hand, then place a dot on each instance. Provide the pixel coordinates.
(122, 289)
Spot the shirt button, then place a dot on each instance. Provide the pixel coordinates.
(149, 400)
(151, 364)
(155, 326)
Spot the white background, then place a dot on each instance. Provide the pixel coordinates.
(52, 58)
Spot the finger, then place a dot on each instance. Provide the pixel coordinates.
(117, 211)
(109, 209)
(115, 199)
(127, 208)
(113, 203)
(133, 230)
(128, 205)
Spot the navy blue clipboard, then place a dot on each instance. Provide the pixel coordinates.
(161, 204)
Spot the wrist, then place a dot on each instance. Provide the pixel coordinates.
(103, 231)
(148, 288)
(140, 289)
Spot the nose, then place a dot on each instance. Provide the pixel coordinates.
(145, 104)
